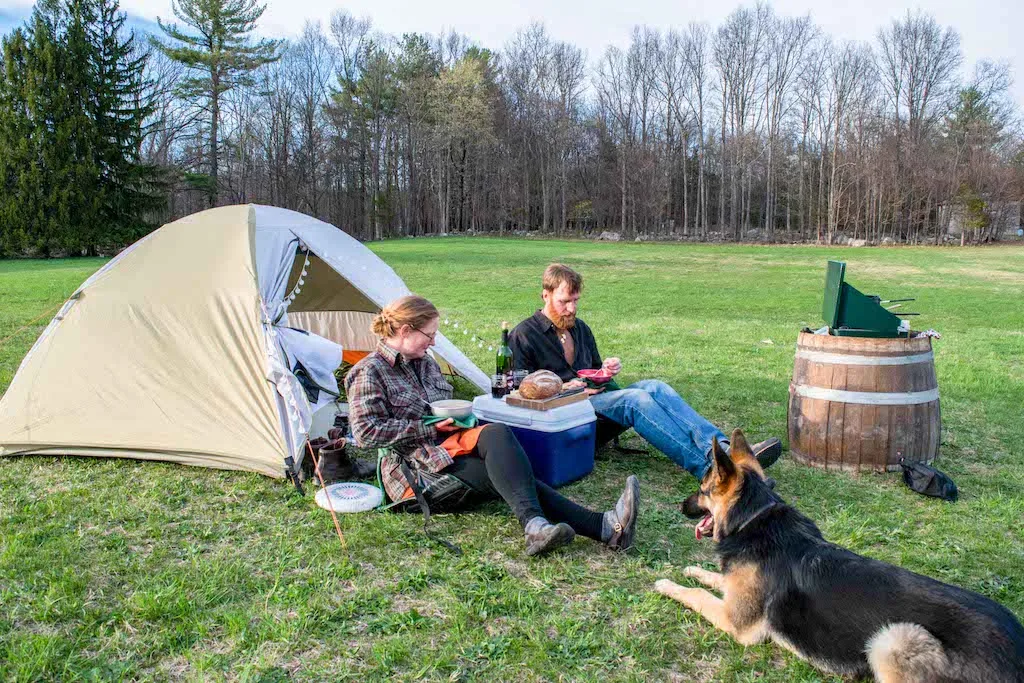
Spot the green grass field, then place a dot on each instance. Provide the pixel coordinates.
(122, 570)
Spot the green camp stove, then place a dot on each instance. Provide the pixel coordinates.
(850, 313)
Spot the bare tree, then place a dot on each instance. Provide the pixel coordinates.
(569, 65)
(697, 71)
(616, 92)
(917, 61)
(672, 85)
(312, 64)
(788, 40)
(849, 68)
(739, 56)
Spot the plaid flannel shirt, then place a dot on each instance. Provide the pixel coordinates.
(388, 395)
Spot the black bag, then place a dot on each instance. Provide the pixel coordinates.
(441, 491)
(438, 490)
(928, 481)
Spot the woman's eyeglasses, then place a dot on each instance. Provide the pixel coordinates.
(431, 337)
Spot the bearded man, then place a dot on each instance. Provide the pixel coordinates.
(555, 339)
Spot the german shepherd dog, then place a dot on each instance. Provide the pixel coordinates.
(843, 613)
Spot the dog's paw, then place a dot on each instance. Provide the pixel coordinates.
(665, 586)
(693, 572)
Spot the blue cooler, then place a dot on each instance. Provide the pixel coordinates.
(559, 442)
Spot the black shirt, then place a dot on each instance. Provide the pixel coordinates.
(535, 346)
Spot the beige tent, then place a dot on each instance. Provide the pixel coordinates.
(185, 347)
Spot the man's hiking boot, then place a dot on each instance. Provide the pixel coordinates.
(618, 528)
(767, 452)
(542, 536)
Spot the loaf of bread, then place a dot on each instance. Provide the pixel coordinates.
(540, 385)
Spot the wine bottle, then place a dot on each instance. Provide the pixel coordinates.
(503, 359)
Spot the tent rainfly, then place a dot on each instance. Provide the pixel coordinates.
(209, 342)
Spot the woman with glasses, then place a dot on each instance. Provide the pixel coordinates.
(390, 391)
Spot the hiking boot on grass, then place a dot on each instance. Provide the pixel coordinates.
(767, 452)
(618, 529)
(542, 536)
(335, 465)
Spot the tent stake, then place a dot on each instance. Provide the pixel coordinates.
(290, 472)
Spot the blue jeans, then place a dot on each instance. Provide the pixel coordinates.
(665, 420)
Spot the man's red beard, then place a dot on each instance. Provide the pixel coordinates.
(564, 322)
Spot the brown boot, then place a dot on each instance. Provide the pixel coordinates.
(307, 471)
(335, 465)
(619, 524)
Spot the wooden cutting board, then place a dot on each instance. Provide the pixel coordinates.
(557, 401)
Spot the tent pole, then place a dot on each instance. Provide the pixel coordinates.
(330, 503)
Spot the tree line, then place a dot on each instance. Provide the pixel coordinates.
(760, 128)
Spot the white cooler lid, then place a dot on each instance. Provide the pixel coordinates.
(554, 420)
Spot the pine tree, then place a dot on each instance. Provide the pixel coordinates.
(121, 106)
(71, 114)
(15, 143)
(219, 56)
(77, 187)
(37, 171)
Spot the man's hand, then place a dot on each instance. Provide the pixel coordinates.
(447, 426)
(591, 392)
(612, 366)
(574, 384)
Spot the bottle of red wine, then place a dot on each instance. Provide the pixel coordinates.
(503, 359)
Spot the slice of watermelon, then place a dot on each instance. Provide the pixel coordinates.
(599, 376)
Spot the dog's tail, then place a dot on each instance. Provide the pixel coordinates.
(906, 653)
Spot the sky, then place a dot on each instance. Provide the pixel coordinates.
(989, 29)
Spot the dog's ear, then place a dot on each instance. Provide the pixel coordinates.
(739, 446)
(723, 466)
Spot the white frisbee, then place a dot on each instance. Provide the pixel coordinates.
(349, 497)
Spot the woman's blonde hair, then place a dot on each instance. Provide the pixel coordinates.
(411, 310)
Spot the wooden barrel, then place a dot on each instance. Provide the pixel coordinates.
(859, 404)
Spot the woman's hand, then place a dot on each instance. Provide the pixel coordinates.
(447, 426)
(574, 384)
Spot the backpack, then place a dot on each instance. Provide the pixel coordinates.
(929, 481)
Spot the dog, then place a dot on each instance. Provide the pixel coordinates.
(842, 612)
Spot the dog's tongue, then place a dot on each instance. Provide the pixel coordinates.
(705, 527)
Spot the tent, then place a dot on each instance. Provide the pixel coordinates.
(209, 342)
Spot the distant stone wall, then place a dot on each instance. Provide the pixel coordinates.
(1007, 219)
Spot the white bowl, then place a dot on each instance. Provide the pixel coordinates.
(452, 407)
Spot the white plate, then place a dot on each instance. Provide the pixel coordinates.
(350, 497)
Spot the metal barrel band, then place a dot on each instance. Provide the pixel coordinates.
(878, 398)
(852, 359)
